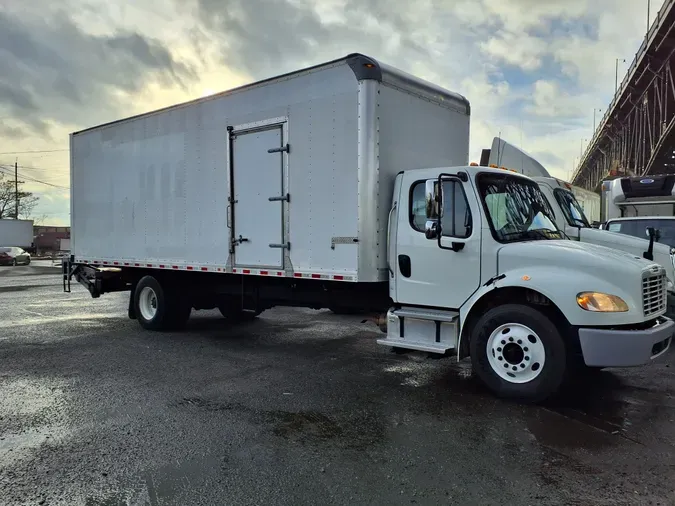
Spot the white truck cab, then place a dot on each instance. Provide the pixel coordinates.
(481, 267)
(570, 217)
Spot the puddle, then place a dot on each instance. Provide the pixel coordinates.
(307, 424)
(601, 402)
(413, 372)
(352, 430)
(18, 288)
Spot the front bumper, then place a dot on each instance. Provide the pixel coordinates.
(625, 348)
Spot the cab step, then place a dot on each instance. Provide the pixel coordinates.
(429, 330)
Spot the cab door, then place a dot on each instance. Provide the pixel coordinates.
(427, 274)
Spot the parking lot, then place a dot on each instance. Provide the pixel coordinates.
(297, 407)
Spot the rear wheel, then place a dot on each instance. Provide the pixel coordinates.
(158, 306)
(518, 353)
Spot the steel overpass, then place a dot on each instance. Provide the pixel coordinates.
(636, 136)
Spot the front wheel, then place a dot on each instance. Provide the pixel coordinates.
(518, 353)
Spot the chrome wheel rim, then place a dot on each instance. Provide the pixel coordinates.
(147, 303)
(516, 353)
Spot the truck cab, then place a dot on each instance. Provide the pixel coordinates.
(478, 265)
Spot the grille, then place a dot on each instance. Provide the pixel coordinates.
(653, 293)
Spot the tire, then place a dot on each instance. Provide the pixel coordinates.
(28, 261)
(159, 307)
(14, 264)
(238, 315)
(528, 345)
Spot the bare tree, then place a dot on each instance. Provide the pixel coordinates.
(27, 201)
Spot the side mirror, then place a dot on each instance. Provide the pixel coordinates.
(434, 200)
(654, 235)
(652, 232)
(431, 229)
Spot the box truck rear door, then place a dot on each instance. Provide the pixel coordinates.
(257, 179)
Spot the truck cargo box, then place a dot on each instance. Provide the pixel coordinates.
(291, 176)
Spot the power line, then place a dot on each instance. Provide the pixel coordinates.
(6, 171)
(40, 168)
(34, 151)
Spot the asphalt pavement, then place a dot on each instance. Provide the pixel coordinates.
(298, 407)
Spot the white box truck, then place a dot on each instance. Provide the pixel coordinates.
(571, 217)
(17, 233)
(346, 186)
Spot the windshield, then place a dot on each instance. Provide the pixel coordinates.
(516, 208)
(638, 228)
(572, 210)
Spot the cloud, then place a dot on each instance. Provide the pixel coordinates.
(533, 70)
(520, 50)
(51, 70)
(550, 101)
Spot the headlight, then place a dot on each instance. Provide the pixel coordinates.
(601, 302)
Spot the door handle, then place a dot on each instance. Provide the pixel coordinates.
(239, 240)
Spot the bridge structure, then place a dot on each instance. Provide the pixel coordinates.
(636, 136)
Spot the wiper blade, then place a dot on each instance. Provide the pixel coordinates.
(535, 233)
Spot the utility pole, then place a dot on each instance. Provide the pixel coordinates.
(616, 76)
(649, 4)
(16, 189)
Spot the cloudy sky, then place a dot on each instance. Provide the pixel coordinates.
(533, 70)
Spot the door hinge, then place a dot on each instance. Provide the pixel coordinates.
(283, 198)
(286, 148)
(286, 245)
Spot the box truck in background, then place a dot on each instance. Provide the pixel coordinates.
(346, 186)
(17, 233)
(633, 196)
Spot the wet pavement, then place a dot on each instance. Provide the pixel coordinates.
(298, 407)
